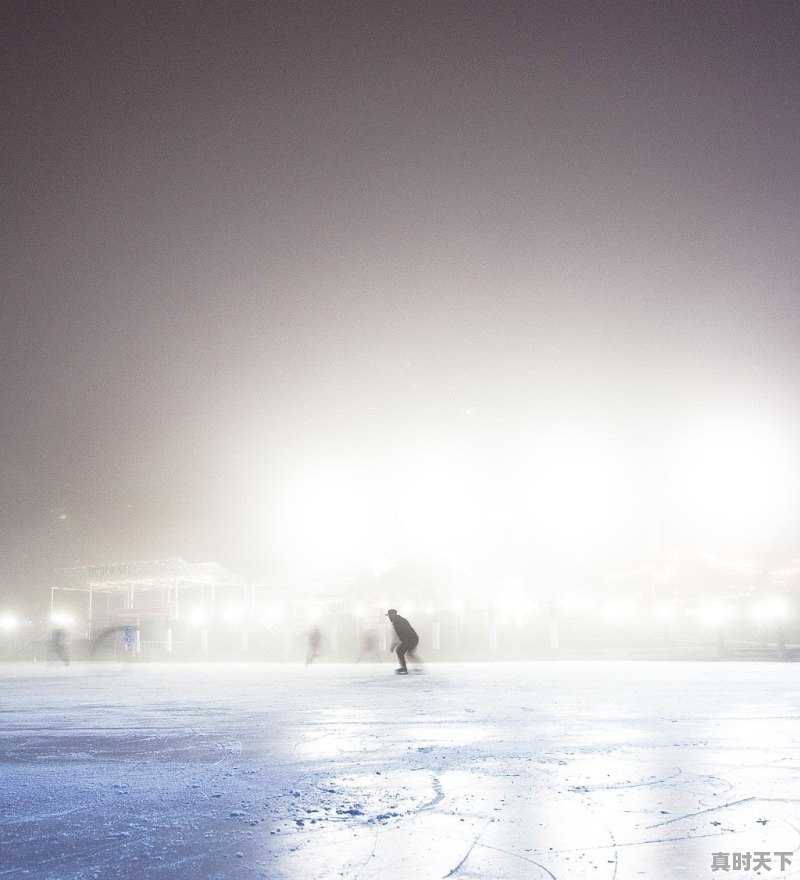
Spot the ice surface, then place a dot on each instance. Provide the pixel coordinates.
(570, 770)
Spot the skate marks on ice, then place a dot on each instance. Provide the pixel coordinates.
(321, 773)
(427, 826)
(562, 791)
(478, 823)
(669, 825)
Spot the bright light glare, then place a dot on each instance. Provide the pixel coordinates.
(714, 613)
(314, 612)
(198, 617)
(730, 477)
(273, 613)
(233, 614)
(61, 618)
(516, 603)
(619, 611)
(327, 518)
(577, 495)
(8, 622)
(436, 504)
(576, 602)
(664, 611)
(770, 610)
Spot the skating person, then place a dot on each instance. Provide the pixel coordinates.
(407, 640)
(105, 640)
(314, 641)
(58, 645)
(369, 647)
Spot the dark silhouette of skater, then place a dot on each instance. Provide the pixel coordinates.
(58, 645)
(314, 642)
(407, 640)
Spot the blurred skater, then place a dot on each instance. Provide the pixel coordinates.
(369, 647)
(58, 645)
(407, 640)
(105, 641)
(314, 642)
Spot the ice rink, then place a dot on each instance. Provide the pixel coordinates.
(568, 770)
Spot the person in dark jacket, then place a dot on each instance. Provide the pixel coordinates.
(407, 640)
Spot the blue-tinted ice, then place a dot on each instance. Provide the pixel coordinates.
(571, 770)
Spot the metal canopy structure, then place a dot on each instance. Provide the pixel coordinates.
(148, 590)
(153, 575)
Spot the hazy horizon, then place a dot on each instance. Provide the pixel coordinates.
(398, 255)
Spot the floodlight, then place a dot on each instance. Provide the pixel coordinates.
(8, 622)
(61, 618)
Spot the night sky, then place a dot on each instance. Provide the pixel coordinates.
(247, 241)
